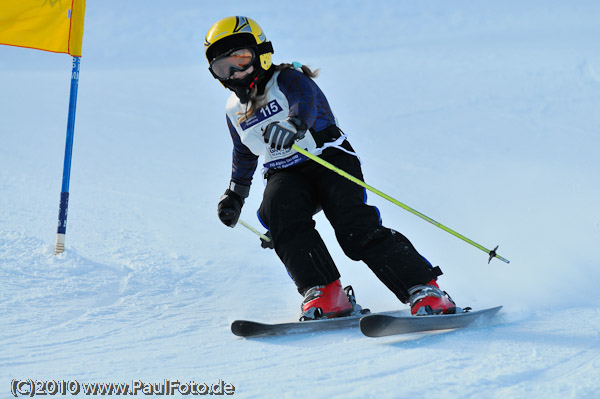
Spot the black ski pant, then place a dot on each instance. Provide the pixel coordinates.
(291, 198)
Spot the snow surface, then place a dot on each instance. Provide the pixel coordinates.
(482, 115)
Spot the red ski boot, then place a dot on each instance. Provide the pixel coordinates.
(429, 299)
(326, 301)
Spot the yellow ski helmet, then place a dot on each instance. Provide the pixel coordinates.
(236, 32)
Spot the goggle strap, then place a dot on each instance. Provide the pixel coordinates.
(264, 48)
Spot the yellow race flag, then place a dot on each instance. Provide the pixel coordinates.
(49, 25)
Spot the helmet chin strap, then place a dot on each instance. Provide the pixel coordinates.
(253, 83)
(242, 87)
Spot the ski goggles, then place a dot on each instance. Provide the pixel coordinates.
(225, 65)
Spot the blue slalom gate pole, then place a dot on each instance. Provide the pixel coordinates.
(64, 192)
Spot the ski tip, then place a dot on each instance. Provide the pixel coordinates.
(370, 325)
(243, 328)
(237, 328)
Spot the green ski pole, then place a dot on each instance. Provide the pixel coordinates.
(252, 229)
(492, 253)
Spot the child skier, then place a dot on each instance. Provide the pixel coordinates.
(273, 107)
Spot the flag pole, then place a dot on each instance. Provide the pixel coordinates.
(64, 194)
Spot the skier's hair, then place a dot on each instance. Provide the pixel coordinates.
(257, 102)
(305, 69)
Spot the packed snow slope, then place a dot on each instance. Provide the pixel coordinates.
(482, 115)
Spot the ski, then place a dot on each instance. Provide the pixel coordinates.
(248, 328)
(379, 325)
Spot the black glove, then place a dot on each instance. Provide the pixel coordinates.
(267, 244)
(282, 134)
(229, 208)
